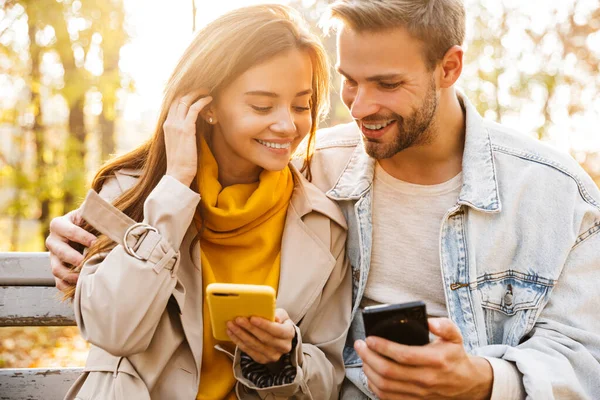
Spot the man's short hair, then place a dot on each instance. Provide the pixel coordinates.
(439, 24)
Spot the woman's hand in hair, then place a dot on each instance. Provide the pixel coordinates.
(263, 340)
(180, 135)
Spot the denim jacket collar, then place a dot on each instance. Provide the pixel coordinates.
(480, 186)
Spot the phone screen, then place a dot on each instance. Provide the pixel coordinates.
(401, 323)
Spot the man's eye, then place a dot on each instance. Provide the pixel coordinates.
(389, 85)
(261, 109)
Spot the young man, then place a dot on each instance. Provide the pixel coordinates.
(497, 233)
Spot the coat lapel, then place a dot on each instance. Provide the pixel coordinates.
(306, 260)
(190, 277)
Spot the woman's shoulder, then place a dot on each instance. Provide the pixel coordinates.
(121, 181)
(309, 199)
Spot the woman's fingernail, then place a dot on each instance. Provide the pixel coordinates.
(359, 345)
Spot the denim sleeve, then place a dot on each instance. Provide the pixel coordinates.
(560, 357)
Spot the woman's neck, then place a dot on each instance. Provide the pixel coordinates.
(233, 169)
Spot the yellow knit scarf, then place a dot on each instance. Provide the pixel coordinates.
(241, 228)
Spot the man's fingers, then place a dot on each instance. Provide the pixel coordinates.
(61, 285)
(386, 388)
(67, 230)
(382, 365)
(445, 329)
(61, 271)
(63, 252)
(416, 356)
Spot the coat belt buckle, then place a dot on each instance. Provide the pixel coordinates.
(146, 228)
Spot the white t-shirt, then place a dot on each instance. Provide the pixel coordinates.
(405, 257)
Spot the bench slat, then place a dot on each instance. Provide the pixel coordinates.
(25, 269)
(34, 306)
(36, 383)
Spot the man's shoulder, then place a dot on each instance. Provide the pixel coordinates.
(342, 135)
(552, 163)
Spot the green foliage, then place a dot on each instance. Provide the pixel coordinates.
(51, 177)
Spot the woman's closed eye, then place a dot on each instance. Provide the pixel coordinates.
(261, 108)
(302, 108)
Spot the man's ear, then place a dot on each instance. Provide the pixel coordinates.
(451, 66)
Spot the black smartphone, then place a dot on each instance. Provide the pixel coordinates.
(404, 323)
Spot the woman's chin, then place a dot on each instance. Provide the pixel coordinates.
(274, 165)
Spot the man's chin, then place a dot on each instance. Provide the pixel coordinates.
(378, 151)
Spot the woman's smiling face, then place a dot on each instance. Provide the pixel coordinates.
(262, 116)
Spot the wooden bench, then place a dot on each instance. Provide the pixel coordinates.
(28, 298)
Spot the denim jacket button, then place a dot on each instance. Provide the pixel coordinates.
(508, 298)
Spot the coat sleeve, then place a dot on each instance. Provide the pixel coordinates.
(119, 298)
(318, 354)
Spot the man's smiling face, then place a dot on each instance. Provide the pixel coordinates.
(388, 88)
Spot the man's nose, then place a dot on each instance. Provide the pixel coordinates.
(363, 105)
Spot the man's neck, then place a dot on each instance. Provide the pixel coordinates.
(439, 160)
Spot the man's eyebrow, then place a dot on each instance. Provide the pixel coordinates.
(275, 95)
(385, 77)
(375, 78)
(341, 72)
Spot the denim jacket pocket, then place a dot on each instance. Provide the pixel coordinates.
(511, 302)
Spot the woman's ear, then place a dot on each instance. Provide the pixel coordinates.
(209, 115)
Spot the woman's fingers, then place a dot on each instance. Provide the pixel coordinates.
(278, 338)
(184, 103)
(196, 108)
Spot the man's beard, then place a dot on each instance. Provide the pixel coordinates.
(418, 129)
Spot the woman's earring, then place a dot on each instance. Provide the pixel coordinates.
(210, 120)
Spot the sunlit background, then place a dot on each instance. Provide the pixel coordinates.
(82, 80)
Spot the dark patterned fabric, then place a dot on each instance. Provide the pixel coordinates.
(263, 376)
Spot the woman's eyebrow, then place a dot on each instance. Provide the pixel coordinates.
(275, 95)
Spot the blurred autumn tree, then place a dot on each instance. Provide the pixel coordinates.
(529, 65)
(532, 65)
(67, 60)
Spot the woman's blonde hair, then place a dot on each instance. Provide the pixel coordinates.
(439, 24)
(219, 53)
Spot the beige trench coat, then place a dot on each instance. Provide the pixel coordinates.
(140, 305)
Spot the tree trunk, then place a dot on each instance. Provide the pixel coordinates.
(76, 151)
(42, 191)
(107, 134)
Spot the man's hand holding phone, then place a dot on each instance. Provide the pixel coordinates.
(263, 340)
(441, 369)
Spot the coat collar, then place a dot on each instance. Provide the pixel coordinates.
(307, 198)
(480, 184)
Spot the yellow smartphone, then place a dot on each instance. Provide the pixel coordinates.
(226, 301)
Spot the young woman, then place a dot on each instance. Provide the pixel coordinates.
(212, 197)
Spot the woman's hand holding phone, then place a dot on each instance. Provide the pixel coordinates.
(180, 135)
(264, 341)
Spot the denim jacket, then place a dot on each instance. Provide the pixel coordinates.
(519, 251)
